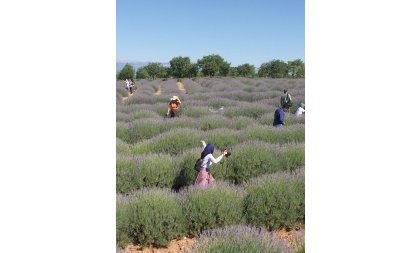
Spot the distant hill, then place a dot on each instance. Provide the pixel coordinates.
(136, 65)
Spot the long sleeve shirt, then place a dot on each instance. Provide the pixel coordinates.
(209, 159)
(278, 117)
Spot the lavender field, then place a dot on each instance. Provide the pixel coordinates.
(259, 187)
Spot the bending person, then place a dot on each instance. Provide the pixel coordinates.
(173, 108)
(204, 176)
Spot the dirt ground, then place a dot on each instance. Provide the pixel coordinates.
(181, 87)
(176, 246)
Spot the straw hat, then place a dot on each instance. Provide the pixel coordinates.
(176, 98)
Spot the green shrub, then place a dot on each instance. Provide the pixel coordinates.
(291, 119)
(175, 141)
(213, 122)
(275, 201)
(241, 122)
(122, 147)
(187, 172)
(239, 239)
(141, 148)
(155, 217)
(136, 172)
(123, 92)
(292, 157)
(127, 174)
(195, 112)
(141, 130)
(247, 111)
(124, 117)
(122, 222)
(288, 134)
(267, 119)
(216, 102)
(247, 161)
(143, 114)
(212, 207)
(223, 138)
(158, 170)
(182, 122)
(141, 99)
(123, 131)
(161, 109)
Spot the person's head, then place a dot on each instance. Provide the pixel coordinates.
(209, 149)
(285, 90)
(302, 105)
(175, 98)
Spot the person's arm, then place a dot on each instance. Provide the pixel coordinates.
(216, 160)
(204, 144)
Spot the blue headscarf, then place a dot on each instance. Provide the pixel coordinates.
(207, 150)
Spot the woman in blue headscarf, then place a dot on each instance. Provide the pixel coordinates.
(204, 177)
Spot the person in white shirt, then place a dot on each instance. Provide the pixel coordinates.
(127, 84)
(300, 110)
(204, 177)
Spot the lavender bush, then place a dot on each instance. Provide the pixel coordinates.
(233, 113)
(275, 201)
(151, 216)
(211, 207)
(239, 239)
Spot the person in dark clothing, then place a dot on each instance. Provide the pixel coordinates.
(286, 100)
(278, 117)
(131, 85)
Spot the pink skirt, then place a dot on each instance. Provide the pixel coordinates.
(204, 178)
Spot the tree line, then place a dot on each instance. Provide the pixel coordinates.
(213, 66)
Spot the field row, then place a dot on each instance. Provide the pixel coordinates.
(248, 160)
(202, 85)
(154, 216)
(195, 115)
(204, 92)
(154, 133)
(242, 238)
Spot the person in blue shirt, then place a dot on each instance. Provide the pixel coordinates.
(278, 117)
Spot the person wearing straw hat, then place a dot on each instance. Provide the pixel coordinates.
(173, 108)
(300, 110)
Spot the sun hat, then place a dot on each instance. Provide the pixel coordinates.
(176, 98)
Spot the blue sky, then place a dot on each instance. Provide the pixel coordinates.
(246, 31)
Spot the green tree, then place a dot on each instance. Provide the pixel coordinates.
(246, 70)
(264, 70)
(127, 72)
(180, 67)
(213, 65)
(193, 70)
(296, 68)
(274, 69)
(278, 69)
(156, 70)
(142, 74)
(233, 72)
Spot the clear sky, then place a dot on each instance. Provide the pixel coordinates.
(241, 31)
